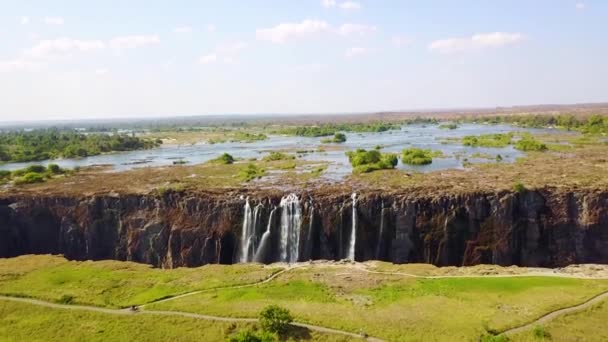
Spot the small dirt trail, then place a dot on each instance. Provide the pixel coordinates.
(124, 312)
(554, 314)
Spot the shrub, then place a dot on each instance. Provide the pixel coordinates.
(252, 336)
(4, 174)
(488, 140)
(519, 187)
(540, 332)
(251, 172)
(274, 156)
(275, 319)
(417, 156)
(448, 126)
(55, 169)
(339, 137)
(30, 178)
(372, 160)
(225, 159)
(528, 143)
(35, 169)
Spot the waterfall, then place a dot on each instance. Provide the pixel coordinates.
(248, 232)
(381, 234)
(353, 232)
(309, 236)
(291, 222)
(260, 253)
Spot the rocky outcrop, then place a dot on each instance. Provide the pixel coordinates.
(533, 228)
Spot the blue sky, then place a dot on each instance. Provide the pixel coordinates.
(86, 59)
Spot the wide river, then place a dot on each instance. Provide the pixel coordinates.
(423, 136)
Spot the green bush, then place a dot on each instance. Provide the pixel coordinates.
(30, 178)
(55, 169)
(225, 159)
(251, 172)
(253, 336)
(35, 169)
(519, 187)
(417, 156)
(274, 156)
(338, 138)
(488, 140)
(528, 143)
(275, 319)
(4, 174)
(448, 126)
(364, 161)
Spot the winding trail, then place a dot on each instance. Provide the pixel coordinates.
(542, 320)
(554, 314)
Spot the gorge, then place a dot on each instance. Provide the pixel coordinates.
(546, 227)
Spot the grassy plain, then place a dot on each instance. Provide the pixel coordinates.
(114, 283)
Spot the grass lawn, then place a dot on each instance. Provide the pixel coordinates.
(25, 322)
(398, 308)
(114, 283)
(588, 325)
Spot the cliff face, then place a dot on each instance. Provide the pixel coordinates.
(532, 228)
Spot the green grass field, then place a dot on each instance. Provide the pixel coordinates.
(114, 283)
(338, 296)
(397, 308)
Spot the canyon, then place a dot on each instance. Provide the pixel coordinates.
(546, 227)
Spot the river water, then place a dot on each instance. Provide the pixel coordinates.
(423, 136)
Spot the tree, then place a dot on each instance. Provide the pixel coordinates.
(275, 319)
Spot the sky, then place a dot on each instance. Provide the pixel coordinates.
(73, 59)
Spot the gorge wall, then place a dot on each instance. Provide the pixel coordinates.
(546, 228)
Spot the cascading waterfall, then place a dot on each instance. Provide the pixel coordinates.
(353, 233)
(291, 222)
(248, 232)
(381, 234)
(260, 253)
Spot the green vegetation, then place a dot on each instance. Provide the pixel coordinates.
(225, 158)
(275, 156)
(331, 129)
(364, 161)
(448, 126)
(113, 283)
(251, 172)
(338, 138)
(417, 156)
(529, 143)
(488, 140)
(31, 174)
(249, 335)
(275, 319)
(238, 136)
(40, 145)
(519, 187)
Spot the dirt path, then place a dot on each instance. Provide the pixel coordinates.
(554, 314)
(176, 313)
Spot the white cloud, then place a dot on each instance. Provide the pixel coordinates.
(24, 20)
(53, 21)
(207, 59)
(182, 29)
(64, 46)
(226, 53)
(312, 67)
(132, 42)
(400, 41)
(308, 28)
(101, 71)
(328, 3)
(286, 31)
(477, 41)
(211, 28)
(19, 65)
(349, 5)
(356, 51)
(580, 6)
(358, 29)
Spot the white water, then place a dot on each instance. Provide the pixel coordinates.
(291, 222)
(353, 232)
(250, 219)
(259, 254)
(381, 235)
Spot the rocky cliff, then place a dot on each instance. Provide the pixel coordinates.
(546, 228)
